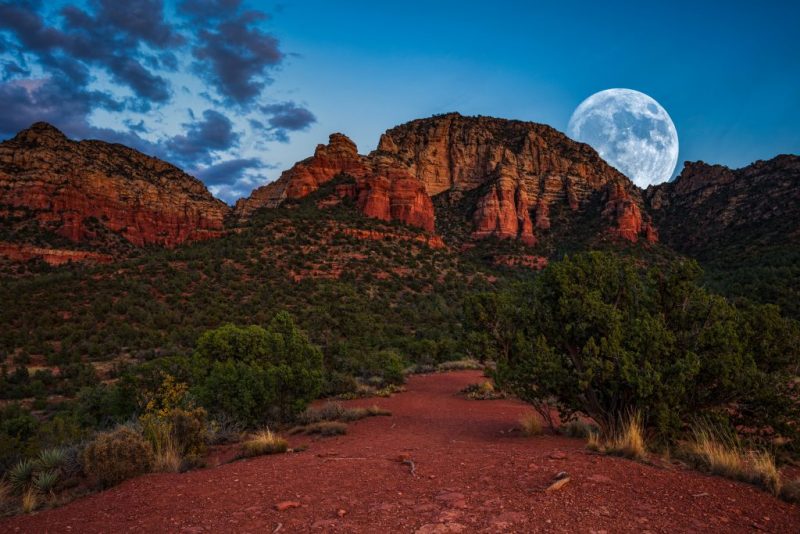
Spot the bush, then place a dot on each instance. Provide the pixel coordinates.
(264, 442)
(595, 334)
(260, 374)
(117, 455)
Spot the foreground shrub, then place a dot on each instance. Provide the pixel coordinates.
(595, 334)
(259, 374)
(175, 428)
(264, 442)
(21, 475)
(117, 455)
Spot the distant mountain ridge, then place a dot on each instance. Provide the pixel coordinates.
(456, 178)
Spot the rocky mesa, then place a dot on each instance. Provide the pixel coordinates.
(72, 188)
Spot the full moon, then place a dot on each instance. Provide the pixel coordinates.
(629, 130)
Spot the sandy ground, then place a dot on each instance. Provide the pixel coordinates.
(474, 473)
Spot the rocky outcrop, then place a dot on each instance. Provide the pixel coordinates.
(381, 188)
(70, 187)
(711, 205)
(525, 168)
(522, 170)
(20, 252)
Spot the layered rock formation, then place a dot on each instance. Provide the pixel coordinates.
(521, 169)
(708, 204)
(382, 189)
(70, 187)
(525, 169)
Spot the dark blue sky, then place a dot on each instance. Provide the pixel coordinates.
(235, 92)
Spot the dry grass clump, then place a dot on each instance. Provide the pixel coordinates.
(366, 390)
(264, 442)
(459, 365)
(117, 455)
(530, 424)
(627, 439)
(722, 454)
(30, 501)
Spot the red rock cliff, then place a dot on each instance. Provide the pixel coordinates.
(528, 167)
(61, 183)
(383, 189)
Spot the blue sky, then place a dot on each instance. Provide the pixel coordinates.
(235, 92)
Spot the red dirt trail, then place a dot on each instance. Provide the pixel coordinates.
(472, 475)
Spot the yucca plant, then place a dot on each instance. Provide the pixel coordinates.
(21, 475)
(45, 481)
(51, 459)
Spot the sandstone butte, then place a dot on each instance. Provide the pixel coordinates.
(521, 169)
(63, 184)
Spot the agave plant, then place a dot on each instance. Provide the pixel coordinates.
(46, 480)
(51, 459)
(21, 475)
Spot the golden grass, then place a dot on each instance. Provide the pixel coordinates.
(723, 455)
(627, 439)
(530, 425)
(264, 442)
(168, 458)
(30, 500)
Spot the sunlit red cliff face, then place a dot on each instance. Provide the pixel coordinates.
(522, 171)
(73, 188)
(382, 189)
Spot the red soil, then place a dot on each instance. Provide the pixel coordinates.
(473, 474)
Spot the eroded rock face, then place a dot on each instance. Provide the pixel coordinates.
(523, 170)
(21, 252)
(62, 183)
(708, 204)
(528, 167)
(382, 189)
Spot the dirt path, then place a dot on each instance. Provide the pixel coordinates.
(472, 475)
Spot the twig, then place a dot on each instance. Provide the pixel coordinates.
(409, 462)
(280, 526)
